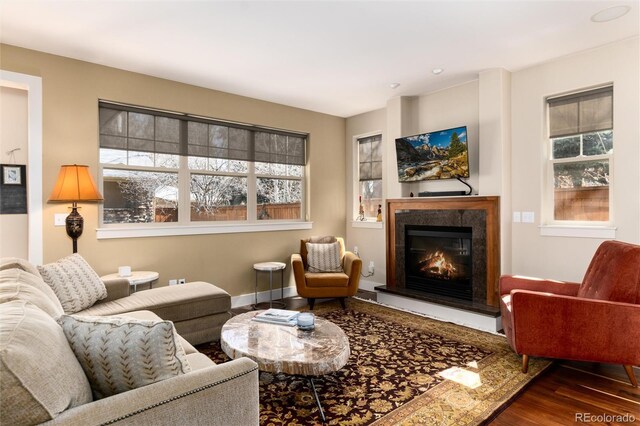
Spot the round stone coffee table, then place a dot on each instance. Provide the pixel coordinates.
(284, 349)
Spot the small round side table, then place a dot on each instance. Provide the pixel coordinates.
(136, 278)
(270, 267)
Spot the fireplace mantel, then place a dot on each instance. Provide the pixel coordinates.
(489, 205)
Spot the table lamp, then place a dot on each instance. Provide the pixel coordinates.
(75, 184)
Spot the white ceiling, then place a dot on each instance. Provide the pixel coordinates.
(336, 57)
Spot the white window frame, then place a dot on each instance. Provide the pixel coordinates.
(184, 225)
(551, 227)
(370, 221)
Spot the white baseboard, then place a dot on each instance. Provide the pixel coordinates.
(442, 313)
(369, 285)
(263, 296)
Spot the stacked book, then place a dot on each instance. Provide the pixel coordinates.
(278, 316)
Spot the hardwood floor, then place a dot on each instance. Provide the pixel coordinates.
(567, 393)
(571, 391)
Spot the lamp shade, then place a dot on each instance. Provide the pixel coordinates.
(75, 184)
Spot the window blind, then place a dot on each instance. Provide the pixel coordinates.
(583, 112)
(370, 157)
(131, 128)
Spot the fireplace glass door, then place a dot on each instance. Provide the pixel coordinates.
(438, 260)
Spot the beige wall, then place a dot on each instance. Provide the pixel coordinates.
(562, 257)
(370, 242)
(456, 106)
(14, 237)
(444, 109)
(71, 90)
(516, 116)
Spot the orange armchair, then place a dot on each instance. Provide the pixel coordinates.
(315, 285)
(597, 320)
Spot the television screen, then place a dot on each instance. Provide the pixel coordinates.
(435, 155)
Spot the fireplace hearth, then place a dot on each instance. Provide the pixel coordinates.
(438, 260)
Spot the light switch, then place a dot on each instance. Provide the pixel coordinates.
(516, 217)
(528, 217)
(59, 219)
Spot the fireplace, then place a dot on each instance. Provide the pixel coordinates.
(438, 260)
(445, 251)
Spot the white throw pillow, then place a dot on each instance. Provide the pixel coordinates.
(119, 354)
(324, 257)
(74, 282)
(39, 373)
(16, 284)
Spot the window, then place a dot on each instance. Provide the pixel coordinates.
(158, 166)
(370, 174)
(581, 151)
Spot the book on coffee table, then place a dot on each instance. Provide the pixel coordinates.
(278, 316)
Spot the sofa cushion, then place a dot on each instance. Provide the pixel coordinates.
(150, 316)
(74, 282)
(14, 262)
(119, 354)
(175, 303)
(198, 361)
(324, 257)
(326, 279)
(16, 284)
(39, 375)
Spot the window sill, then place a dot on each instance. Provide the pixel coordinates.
(174, 230)
(601, 232)
(371, 224)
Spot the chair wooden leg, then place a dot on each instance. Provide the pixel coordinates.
(632, 376)
(525, 363)
(343, 303)
(311, 303)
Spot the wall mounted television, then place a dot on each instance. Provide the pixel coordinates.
(443, 154)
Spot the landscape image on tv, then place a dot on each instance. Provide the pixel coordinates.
(435, 155)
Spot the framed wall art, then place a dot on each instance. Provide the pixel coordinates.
(11, 175)
(13, 189)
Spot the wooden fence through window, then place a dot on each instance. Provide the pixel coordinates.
(585, 203)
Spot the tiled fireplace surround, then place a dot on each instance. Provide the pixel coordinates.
(481, 214)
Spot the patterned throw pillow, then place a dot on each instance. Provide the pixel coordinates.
(74, 282)
(119, 354)
(324, 257)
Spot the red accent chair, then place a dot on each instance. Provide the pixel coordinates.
(598, 320)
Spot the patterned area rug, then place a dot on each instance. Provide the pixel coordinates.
(396, 373)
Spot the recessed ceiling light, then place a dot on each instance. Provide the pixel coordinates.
(437, 71)
(394, 85)
(611, 13)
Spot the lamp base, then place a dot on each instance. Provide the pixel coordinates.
(74, 224)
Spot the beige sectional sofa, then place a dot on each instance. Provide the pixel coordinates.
(43, 381)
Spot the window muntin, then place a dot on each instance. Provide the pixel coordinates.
(370, 174)
(581, 152)
(217, 158)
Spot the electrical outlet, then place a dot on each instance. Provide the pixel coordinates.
(181, 280)
(173, 282)
(371, 267)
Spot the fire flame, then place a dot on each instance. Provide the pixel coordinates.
(437, 264)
